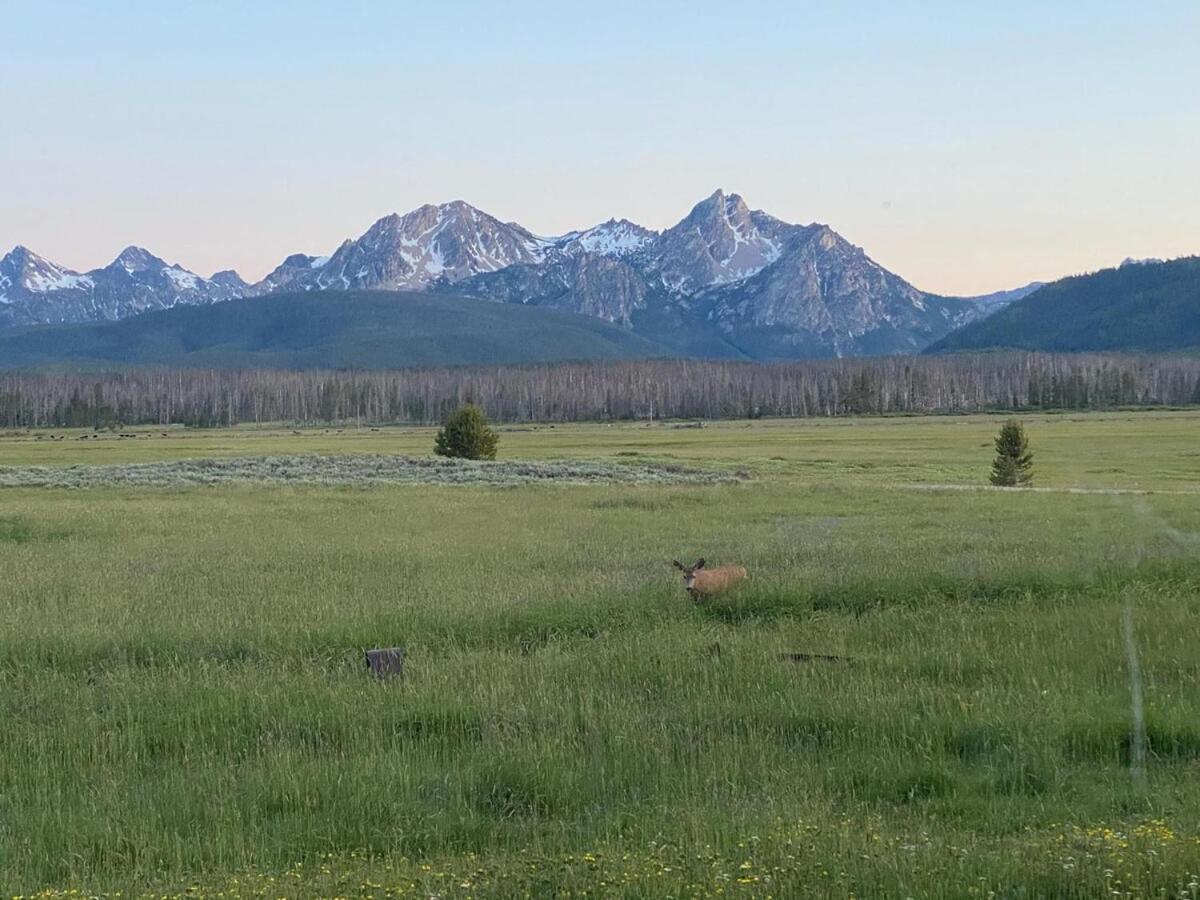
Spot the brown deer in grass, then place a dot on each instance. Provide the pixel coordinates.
(701, 582)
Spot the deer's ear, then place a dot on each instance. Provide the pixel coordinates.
(677, 564)
(699, 563)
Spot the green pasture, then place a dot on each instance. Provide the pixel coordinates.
(184, 708)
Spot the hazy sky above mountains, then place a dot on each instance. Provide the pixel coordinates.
(968, 151)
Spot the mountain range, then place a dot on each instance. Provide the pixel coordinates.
(726, 281)
(35, 291)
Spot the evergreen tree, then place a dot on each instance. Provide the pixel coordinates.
(467, 435)
(1013, 466)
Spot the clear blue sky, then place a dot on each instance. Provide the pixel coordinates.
(967, 146)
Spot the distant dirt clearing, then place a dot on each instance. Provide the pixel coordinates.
(353, 470)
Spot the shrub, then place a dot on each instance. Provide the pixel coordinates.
(1013, 466)
(467, 435)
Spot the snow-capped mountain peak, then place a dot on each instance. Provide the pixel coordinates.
(24, 270)
(35, 291)
(615, 238)
(430, 245)
(148, 272)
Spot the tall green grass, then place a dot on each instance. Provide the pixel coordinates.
(183, 696)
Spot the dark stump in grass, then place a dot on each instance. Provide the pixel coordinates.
(386, 663)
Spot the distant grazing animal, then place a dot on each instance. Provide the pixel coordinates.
(701, 582)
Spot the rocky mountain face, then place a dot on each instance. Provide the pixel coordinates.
(35, 291)
(725, 281)
(430, 246)
(824, 294)
(589, 283)
(719, 242)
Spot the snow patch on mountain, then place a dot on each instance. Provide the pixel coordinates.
(182, 279)
(56, 279)
(614, 238)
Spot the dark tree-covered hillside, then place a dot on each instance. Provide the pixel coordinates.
(1138, 307)
(326, 330)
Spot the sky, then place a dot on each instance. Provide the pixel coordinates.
(968, 147)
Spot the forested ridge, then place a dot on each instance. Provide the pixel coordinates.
(1152, 307)
(603, 391)
(326, 330)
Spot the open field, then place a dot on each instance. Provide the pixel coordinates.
(1135, 449)
(184, 708)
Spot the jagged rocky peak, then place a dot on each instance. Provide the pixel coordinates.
(718, 208)
(21, 255)
(456, 218)
(17, 256)
(140, 267)
(428, 246)
(22, 269)
(721, 216)
(137, 259)
(720, 241)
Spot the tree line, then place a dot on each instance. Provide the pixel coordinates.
(603, 391)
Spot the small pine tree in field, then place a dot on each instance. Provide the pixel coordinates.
(1013, 466)
(467, 435)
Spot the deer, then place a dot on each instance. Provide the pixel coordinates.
(701, 582)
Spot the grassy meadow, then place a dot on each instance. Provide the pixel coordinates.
(184, 709)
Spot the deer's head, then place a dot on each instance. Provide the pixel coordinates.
(689, 572)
